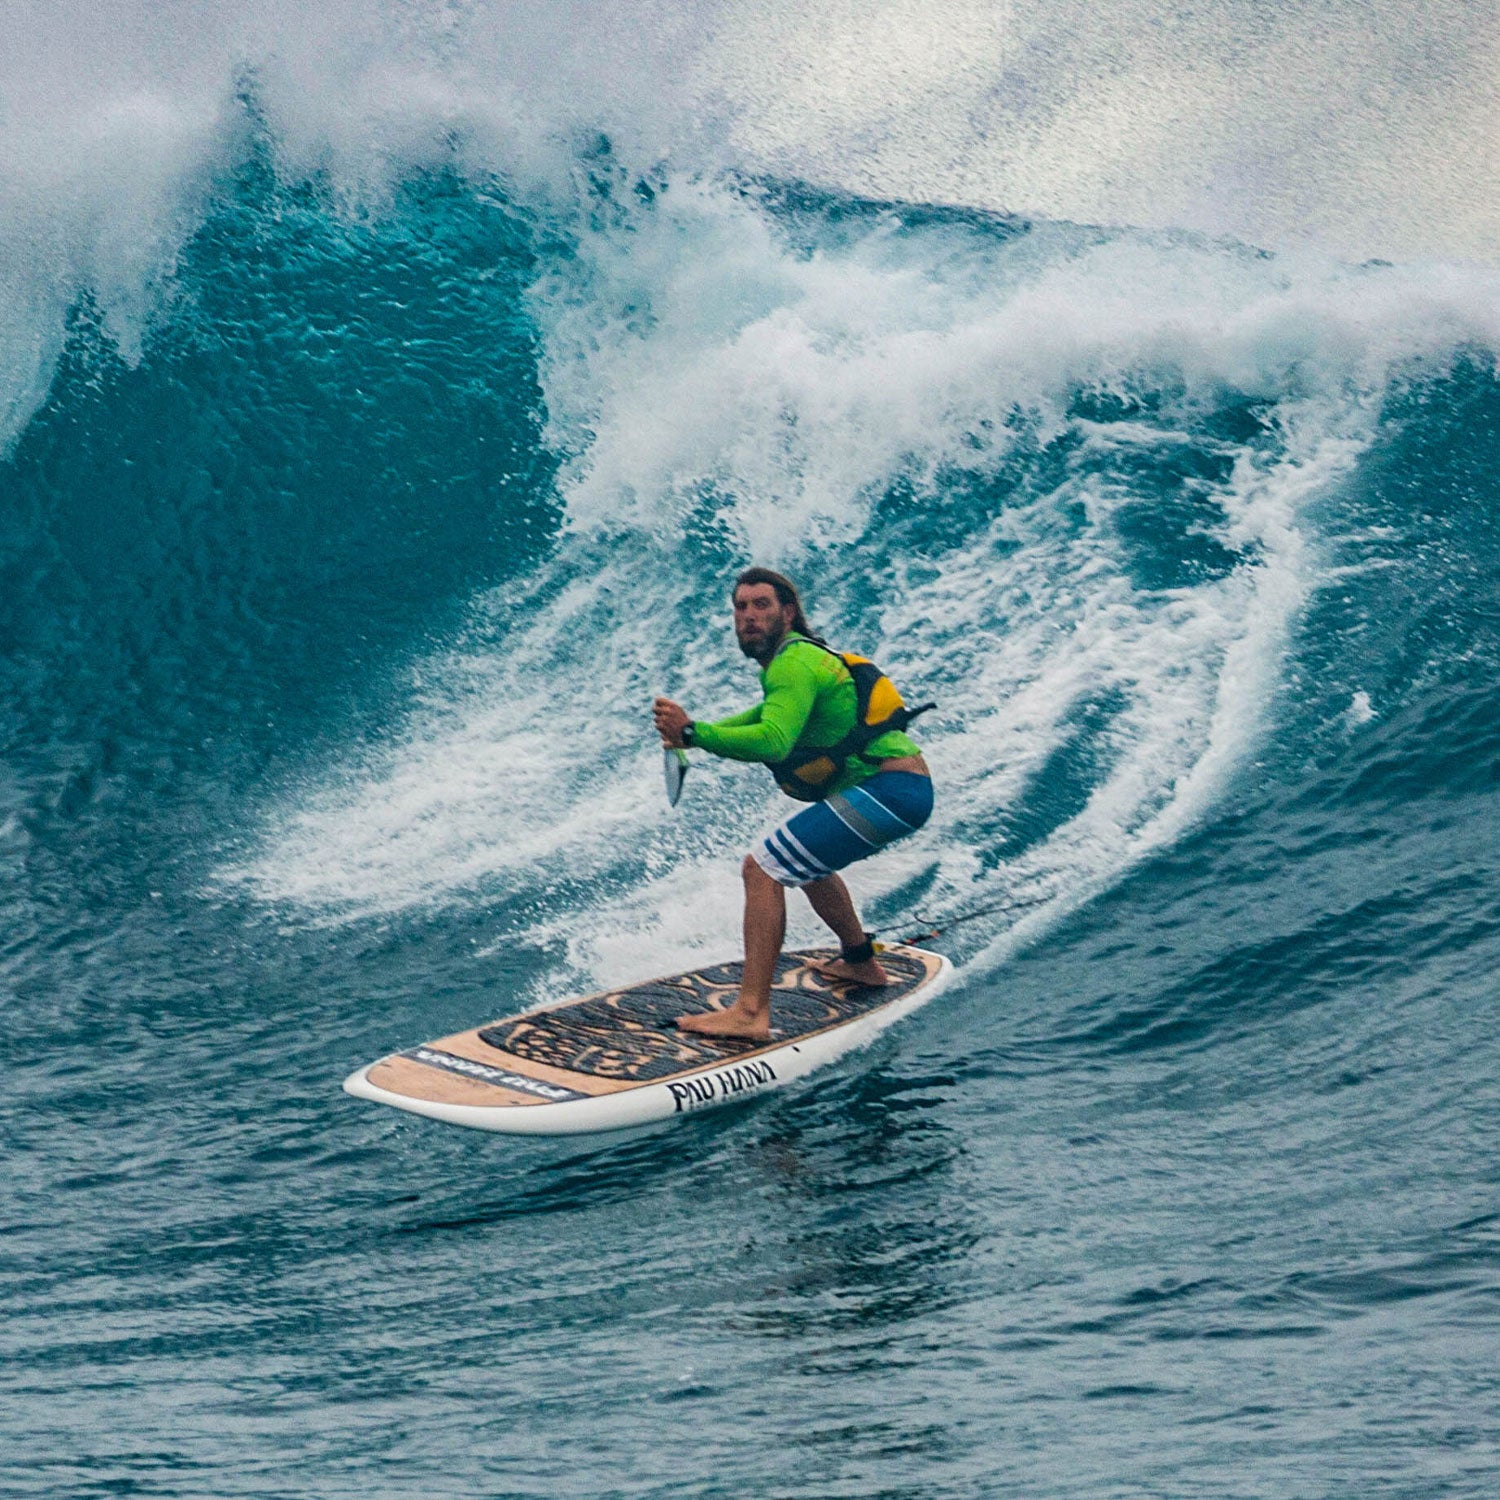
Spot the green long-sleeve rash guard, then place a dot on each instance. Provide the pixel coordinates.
(810, 700)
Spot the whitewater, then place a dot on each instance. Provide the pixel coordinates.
(388, 398)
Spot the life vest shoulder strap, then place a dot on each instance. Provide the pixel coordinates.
(810, 770)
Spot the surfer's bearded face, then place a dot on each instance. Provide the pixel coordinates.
(760, 620)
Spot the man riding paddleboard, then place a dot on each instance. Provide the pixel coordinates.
(831, 728)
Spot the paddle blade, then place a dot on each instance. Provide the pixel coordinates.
(674, 767)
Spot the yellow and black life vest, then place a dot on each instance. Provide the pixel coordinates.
(810, 771)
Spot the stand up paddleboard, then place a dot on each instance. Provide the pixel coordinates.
(616, 1059)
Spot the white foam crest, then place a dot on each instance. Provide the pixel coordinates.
(668, 373)
(98, 198)
(1344, 123)
(116, 123)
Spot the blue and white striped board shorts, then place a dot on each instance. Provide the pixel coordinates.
(848, 826)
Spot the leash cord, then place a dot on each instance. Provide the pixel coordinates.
(969, 916)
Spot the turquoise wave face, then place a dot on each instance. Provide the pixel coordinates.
(331, 616)
(330, 434)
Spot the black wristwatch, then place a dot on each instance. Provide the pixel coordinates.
(687, 732)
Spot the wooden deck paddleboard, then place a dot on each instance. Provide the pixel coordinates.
(616, 1059)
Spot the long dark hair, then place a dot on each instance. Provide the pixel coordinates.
(786, 593)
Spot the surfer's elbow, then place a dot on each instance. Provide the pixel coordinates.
(776, 744)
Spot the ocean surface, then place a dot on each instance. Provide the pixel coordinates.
(358, 492)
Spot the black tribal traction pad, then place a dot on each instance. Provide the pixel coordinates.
(629, 1034)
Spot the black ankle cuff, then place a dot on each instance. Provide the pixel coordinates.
(860, 953)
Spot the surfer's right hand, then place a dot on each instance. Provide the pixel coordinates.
(671, 719)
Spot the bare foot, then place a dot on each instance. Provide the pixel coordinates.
(868, 973)
(734, 1022)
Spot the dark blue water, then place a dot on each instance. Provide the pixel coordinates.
(331, 609)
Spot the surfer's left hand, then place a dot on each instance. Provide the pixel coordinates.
(671, 719)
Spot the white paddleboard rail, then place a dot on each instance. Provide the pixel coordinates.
(536, 1099)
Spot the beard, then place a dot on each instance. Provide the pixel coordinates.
(762, 648)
